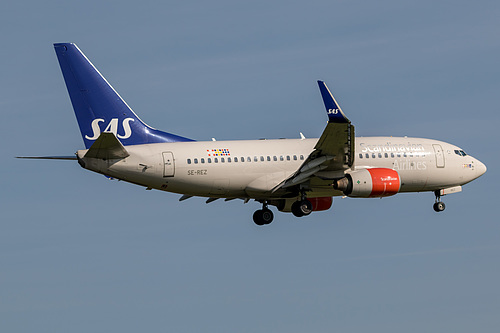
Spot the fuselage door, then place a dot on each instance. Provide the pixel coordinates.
(438, 152)
(168, 164)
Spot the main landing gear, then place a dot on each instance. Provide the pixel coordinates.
(263, 216)
(299, 208)
(303, 207)
(439, 206)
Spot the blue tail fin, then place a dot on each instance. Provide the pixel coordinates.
(98, 107)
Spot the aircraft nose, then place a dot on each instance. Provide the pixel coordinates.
(480, 168)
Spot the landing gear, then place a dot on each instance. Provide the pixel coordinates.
(302, 208)
(438, 206)
(263, 216)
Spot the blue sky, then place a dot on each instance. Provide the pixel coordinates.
(80, 253)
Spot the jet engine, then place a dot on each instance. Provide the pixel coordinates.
(369, 183)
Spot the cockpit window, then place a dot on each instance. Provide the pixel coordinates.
(460, 152)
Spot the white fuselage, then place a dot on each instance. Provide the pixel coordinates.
(251, 169)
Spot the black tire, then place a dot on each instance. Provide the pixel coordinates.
(439, 206)
(296, 209)
(257, 217)
(301, 208)
(263, 216)
(267, 216)
(306, 207)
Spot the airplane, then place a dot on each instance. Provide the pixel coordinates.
(300, 176)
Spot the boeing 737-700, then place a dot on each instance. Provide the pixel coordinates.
(294, 175)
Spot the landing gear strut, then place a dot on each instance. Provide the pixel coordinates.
(439, 206)
(263, 216)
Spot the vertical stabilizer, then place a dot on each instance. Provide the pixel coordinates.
(98, 107)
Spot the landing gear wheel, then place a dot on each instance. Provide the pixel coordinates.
(439, 206)
(263, 216)
(302, 208)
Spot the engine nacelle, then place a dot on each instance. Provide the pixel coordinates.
(322, 203)
(370, 183)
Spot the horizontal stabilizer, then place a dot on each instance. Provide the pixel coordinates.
(107, 147)
(74, 158)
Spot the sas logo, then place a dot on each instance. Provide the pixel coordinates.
(111, 127)
(333, 111)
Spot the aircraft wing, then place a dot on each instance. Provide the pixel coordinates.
(334, 151)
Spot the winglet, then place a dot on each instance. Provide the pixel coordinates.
(335, 114)
(107, 147)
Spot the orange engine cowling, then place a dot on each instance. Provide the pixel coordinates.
(370, 183)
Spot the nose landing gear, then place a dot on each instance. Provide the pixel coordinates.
(263, 216)
(438, 206)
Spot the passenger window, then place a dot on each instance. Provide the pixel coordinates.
(269, 158)
(222, 160)
(386, 155)
(209, 160)
(294, 157)
(399, 154)
(262, 158)
(379, 155)
(189, 161)
(301, 157)
(367, 155)
(195, 161)
(288, 157)
(373, 155)
(202, 160)
(282, 158)
(255, 159)
(275, 159)
(360, 155)
(243, 159)
(392, 155)
(404, 154)
(216, 160)
(249, 159)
